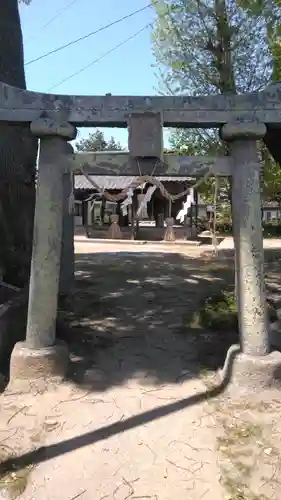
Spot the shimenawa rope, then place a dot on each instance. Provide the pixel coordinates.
(139, 181)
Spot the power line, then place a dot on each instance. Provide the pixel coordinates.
(58, 14)
(100, 57)
(54, 51)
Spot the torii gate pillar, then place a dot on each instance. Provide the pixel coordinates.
(255, 367)
(41, 359)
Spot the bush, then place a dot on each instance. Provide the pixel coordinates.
(224, 227)
(219, 312)
(202, 224)
(272, 229)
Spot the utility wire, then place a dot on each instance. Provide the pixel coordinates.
(58, 14)
(100, 57)
(73, 42)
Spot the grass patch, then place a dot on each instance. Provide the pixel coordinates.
(218, 312)
(213, 325)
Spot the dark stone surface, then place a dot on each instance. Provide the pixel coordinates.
(13, 314)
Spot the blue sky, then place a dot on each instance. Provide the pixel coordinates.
(127, 71)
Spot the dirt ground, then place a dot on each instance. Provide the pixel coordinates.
(138, 417)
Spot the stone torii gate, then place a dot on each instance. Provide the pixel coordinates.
(53, 119)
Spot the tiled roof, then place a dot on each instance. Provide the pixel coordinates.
(271, 204)
(113, 182)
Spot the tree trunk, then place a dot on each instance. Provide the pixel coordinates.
(227, 84)
(223, 50)
(18, 151)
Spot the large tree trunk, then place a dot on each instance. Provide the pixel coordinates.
(227, 84)
(18, 151)
(223, 50)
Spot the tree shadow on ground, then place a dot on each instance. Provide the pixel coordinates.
(135, 318)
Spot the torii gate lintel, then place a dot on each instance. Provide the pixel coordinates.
(17, 105)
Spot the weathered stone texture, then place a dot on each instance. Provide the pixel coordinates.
(45, 264)
(121, 164)
(183, 111)
(66, 281)
(145, 132)
(251, 374)
(48, 127)
(38, 364)
(247, 231)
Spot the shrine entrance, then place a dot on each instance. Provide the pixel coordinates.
(142, 210)
(242, 121)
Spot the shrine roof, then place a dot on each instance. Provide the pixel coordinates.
(120, 182)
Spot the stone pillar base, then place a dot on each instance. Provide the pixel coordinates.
(251, 374)
(37, 368)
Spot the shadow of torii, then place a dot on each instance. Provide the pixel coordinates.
(49, 452)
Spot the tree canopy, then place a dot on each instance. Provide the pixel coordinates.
(205, 47)
(211, 46)
(97, 142)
